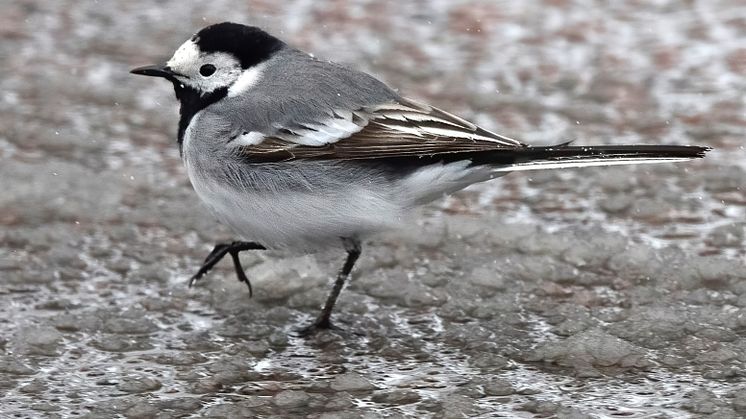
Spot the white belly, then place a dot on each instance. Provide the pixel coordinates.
(297, 219)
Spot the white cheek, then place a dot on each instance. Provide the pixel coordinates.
(216, 81)
(248, 78)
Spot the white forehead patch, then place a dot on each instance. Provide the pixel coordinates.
(248, 78)
(184, 57)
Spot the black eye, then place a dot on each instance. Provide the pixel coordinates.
(207, 70)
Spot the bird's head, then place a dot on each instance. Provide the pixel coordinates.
(221, 59)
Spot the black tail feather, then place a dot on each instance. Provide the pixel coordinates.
(578, 156)
(551, 157)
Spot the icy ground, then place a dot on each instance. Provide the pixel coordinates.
(588, 293)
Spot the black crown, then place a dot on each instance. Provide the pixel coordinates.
(249, 44)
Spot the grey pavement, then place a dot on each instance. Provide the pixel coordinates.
(599, 293)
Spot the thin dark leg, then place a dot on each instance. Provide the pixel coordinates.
(324, 320)
(219, 252)
(240, 272)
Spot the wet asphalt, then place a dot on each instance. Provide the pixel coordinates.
(596, 293)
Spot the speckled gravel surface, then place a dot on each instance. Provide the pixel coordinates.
(588, 293)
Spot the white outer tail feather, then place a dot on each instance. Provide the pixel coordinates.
(584, 162)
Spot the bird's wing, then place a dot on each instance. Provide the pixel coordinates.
(404, 128)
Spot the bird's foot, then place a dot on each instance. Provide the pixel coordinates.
(220, 250)
(318, 325)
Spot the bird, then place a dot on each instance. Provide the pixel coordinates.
(294, 152)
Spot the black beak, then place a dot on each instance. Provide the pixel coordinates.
(155, 71)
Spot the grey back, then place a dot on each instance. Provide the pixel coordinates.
(296, 88)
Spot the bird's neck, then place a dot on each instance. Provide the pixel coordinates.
(193, 101)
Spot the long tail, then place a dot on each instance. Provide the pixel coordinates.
(564, 156)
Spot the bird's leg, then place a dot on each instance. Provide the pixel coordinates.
(239, 270)
(354, 249)
(219, 252)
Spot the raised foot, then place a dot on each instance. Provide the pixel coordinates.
(220, 250)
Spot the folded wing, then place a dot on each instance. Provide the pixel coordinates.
(399, 129)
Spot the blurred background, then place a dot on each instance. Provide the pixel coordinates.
(602, 292)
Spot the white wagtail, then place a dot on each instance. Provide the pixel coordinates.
(290, 151)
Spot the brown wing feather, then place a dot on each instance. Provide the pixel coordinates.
(402, 129)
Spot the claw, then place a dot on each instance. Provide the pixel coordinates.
(192, 280)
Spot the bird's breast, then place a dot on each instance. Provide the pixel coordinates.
(290, 205)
